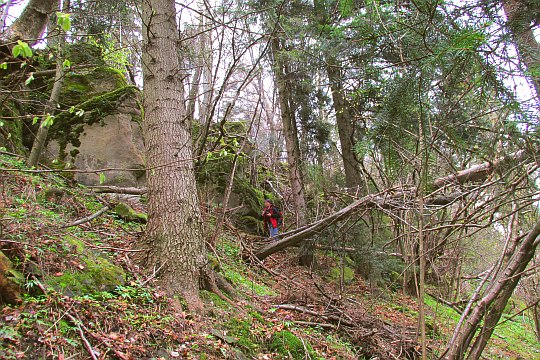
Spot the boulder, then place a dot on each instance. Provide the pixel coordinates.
(10, 281)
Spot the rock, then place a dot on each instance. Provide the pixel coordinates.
(10, 281)
(127, 213)
(101, 131)
(348, 274)
(95, 273)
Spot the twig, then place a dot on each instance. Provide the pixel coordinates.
(75, 322)
(154, 274)
(316, 324)
(81, 334)
(86, 219)
(337, 319)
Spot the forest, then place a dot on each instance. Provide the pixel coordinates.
(396, 142)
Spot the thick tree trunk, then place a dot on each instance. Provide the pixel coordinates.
(290, 133)
(344, 121)
(520, 24)
(176, 251)
(31, 23)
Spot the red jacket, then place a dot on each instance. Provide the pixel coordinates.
(271, 215)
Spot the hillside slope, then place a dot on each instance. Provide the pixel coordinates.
(82, 297)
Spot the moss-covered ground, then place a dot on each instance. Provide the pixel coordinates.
(80, 288)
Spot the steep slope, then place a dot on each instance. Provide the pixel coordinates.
(82, 297)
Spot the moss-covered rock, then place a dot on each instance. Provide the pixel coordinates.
(10, 281)
(95, 273)
(348, 274)
(69, 125)
(11, 129)
(291, 347)
(127, 213)
(80, 87)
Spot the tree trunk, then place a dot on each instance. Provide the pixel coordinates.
(344, 121)
(290, 133)
(536, 318)
(520, 25)
(56, 41)
(490, 307)
(174, 234)
(31, 23)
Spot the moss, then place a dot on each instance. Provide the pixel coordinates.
(241, 329)
(237, 279)
(68, 126)
(11, 130)
(290, 346)
(213, 299)
(348, 274)
(79, 87)
(127, 213)
(95, 274)
(106, 74)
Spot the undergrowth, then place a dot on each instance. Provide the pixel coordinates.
(81, 291)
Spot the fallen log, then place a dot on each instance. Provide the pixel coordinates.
(480, 171)
(394, 199)
(378, 201)
(102, 189)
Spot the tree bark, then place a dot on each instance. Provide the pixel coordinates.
(520, 25)
(56, 42)
(490, 307)
(290, 133)
(174, 234)
(31, 23)
(344, 121)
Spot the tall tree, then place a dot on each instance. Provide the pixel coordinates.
(174, 236)
(521, 15)
(56, 39)
(290, 132)
(31, 23)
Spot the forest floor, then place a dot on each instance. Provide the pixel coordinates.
(84, 298)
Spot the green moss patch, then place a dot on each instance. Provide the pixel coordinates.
(93, 274)
(348, 274)
(69, 125)
(127, 213)
(289, 345)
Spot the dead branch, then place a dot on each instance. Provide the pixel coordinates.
(337, 319)
(102, 189)
(85, 341)
(480, 171)
(386, 200)
(88, 218)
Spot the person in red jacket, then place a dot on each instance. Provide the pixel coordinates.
(272, 218)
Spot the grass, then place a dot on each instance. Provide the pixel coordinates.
(512, 339)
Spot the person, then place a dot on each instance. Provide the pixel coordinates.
(272, 218)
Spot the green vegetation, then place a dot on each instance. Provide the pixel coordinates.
(511, 337)
(290, 346)
(127, 213)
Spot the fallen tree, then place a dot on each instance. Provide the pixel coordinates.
(387, 200)
(396, 199)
